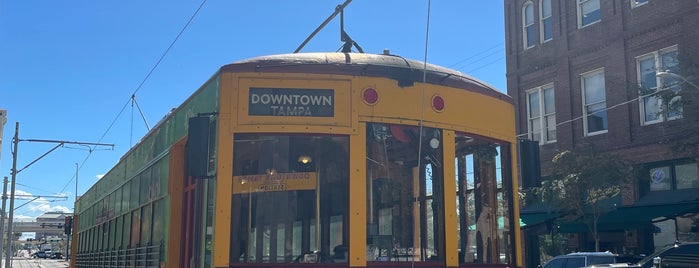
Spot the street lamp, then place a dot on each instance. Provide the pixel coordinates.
(668, 73)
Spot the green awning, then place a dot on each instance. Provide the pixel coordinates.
(631, 217)
(529, 219)
(638, 216)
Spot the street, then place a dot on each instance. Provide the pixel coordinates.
(21, 262)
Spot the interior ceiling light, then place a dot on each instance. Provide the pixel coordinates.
(304, 159)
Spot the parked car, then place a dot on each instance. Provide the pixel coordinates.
(678, 255)
(39, 255)
(581, 259)
(56, 255)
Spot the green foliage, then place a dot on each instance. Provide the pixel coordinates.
(583, 179)
(581, 183)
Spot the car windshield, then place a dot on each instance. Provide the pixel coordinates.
(650, 257)
(600, 259)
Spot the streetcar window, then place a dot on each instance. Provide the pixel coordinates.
(290, 198)
(405, 217)
(484, 231)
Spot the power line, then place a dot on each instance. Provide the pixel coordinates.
(659, 90)
(140, 85)
(157, 63)
(462, 63)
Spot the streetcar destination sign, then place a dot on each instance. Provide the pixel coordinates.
(291, 102)
(276, 182)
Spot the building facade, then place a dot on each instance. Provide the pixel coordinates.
(619, 77)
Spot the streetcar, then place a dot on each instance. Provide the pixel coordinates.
(315, 160)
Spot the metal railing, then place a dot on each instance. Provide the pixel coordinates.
(139, 257)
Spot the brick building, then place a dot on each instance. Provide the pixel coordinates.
(617, 76)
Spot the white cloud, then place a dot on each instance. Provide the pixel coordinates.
(99, 176)
(22, 195)
(23, 218)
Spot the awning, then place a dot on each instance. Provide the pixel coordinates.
(529, 219)
(639, 216)
(632, 217)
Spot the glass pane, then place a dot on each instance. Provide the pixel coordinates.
(639, 2)
(670, 61)
(531, 35)
(135, 228)
(534, 105)
(159, 216)
(547, 23)
(594, 88)
(118, 238)
(127, 230)
(596, 118)
(482, 208)
(125, 201)
(528, 14)
(404, 193)
(299, 182)
(647, 73)
(545, 8)
(145, 186)
(551, 128)
(117, 201)
(687, 176)
(135, 183)
(590, 12)
(549, 101)
(660, 179)
(651, 108)
(688, 230)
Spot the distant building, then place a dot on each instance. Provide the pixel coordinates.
(585, 74)
(52, 220)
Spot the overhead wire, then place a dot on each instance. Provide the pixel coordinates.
(602, 110)
(422, 102)
(493, 50)
(138, 88)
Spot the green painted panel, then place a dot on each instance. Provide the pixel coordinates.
(156, 143)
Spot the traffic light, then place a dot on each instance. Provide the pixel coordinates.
(68, 225)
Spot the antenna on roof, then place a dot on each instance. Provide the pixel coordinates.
(343, 35)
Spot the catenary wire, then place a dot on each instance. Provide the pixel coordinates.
(140, 85)
(422, 102)
(603, 110)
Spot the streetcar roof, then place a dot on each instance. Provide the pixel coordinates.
(405, 71)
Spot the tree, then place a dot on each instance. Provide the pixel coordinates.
(581, 181)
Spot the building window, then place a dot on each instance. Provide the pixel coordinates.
(528, 31)
(637, 3)
(675, 176)
(541, 111)
(588, 12)
(594, 102)
(546, 23)
(655, 105)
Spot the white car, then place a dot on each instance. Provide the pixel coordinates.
(581, 259)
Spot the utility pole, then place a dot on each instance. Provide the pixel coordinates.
(3, 120)
(2, 216)
(8, 250)
(14, 171)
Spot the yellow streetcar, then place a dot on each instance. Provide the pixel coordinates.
(315, 160)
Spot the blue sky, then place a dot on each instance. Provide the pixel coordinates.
(68, 68)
